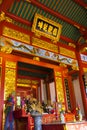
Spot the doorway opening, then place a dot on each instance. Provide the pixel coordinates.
(35, 80)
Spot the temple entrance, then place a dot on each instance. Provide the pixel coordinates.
(35, 80)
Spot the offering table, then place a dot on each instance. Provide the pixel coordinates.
(65, 126)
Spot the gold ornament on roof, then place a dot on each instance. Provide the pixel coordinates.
(6, 49)
(0, 1)
(63, 65)
(4, 17)
(36, 58)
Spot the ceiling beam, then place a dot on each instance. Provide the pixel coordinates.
(81, 3)
(18, 19)
(64, 18)
(82, 46)
(23, 21)
(33, 70)
(67, 39)
(6, 5)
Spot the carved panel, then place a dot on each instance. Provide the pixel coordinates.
(11, 33)
(10, 78)
(67, 52)
(43, 44)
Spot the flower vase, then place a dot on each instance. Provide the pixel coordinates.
(37, 121)
(62, 118)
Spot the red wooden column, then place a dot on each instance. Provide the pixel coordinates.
(72, 95)
(82, 87)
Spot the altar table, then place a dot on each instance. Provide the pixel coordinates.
(65, 126)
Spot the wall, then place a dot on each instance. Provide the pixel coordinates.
(77, 92)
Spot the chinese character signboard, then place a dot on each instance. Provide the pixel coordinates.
(46, 27)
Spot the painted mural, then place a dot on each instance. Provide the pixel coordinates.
(9, 44)
(83, 57)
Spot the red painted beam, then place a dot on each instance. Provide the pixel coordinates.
(66, 19)
(82, 46)
(6, 5)
(67, 39)
(81, 3)
(19, 19)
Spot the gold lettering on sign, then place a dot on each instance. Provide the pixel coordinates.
(11, 33)
(67, 52)
(46, 27)
(42, 44)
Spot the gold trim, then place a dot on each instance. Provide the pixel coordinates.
(3, 17)
(0, 1)
(65, 127)
(85, 69)
(6, 49)
(67, 52)
(45, 45)
(72, 45)
(36, 58)
(28, 1)
(0, 60)
(11, 64)
(59, 89)
(51, 24)
(23, 85)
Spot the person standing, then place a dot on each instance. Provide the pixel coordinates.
(9, 118)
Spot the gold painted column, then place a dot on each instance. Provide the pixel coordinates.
(10, 78)
(9, 81)
(59, 88)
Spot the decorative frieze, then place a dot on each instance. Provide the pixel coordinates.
(84, 58)
(67, 52)
(43, 44)
(38, 52)
(11, 33)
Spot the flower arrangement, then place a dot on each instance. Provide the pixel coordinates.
(33, 106)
